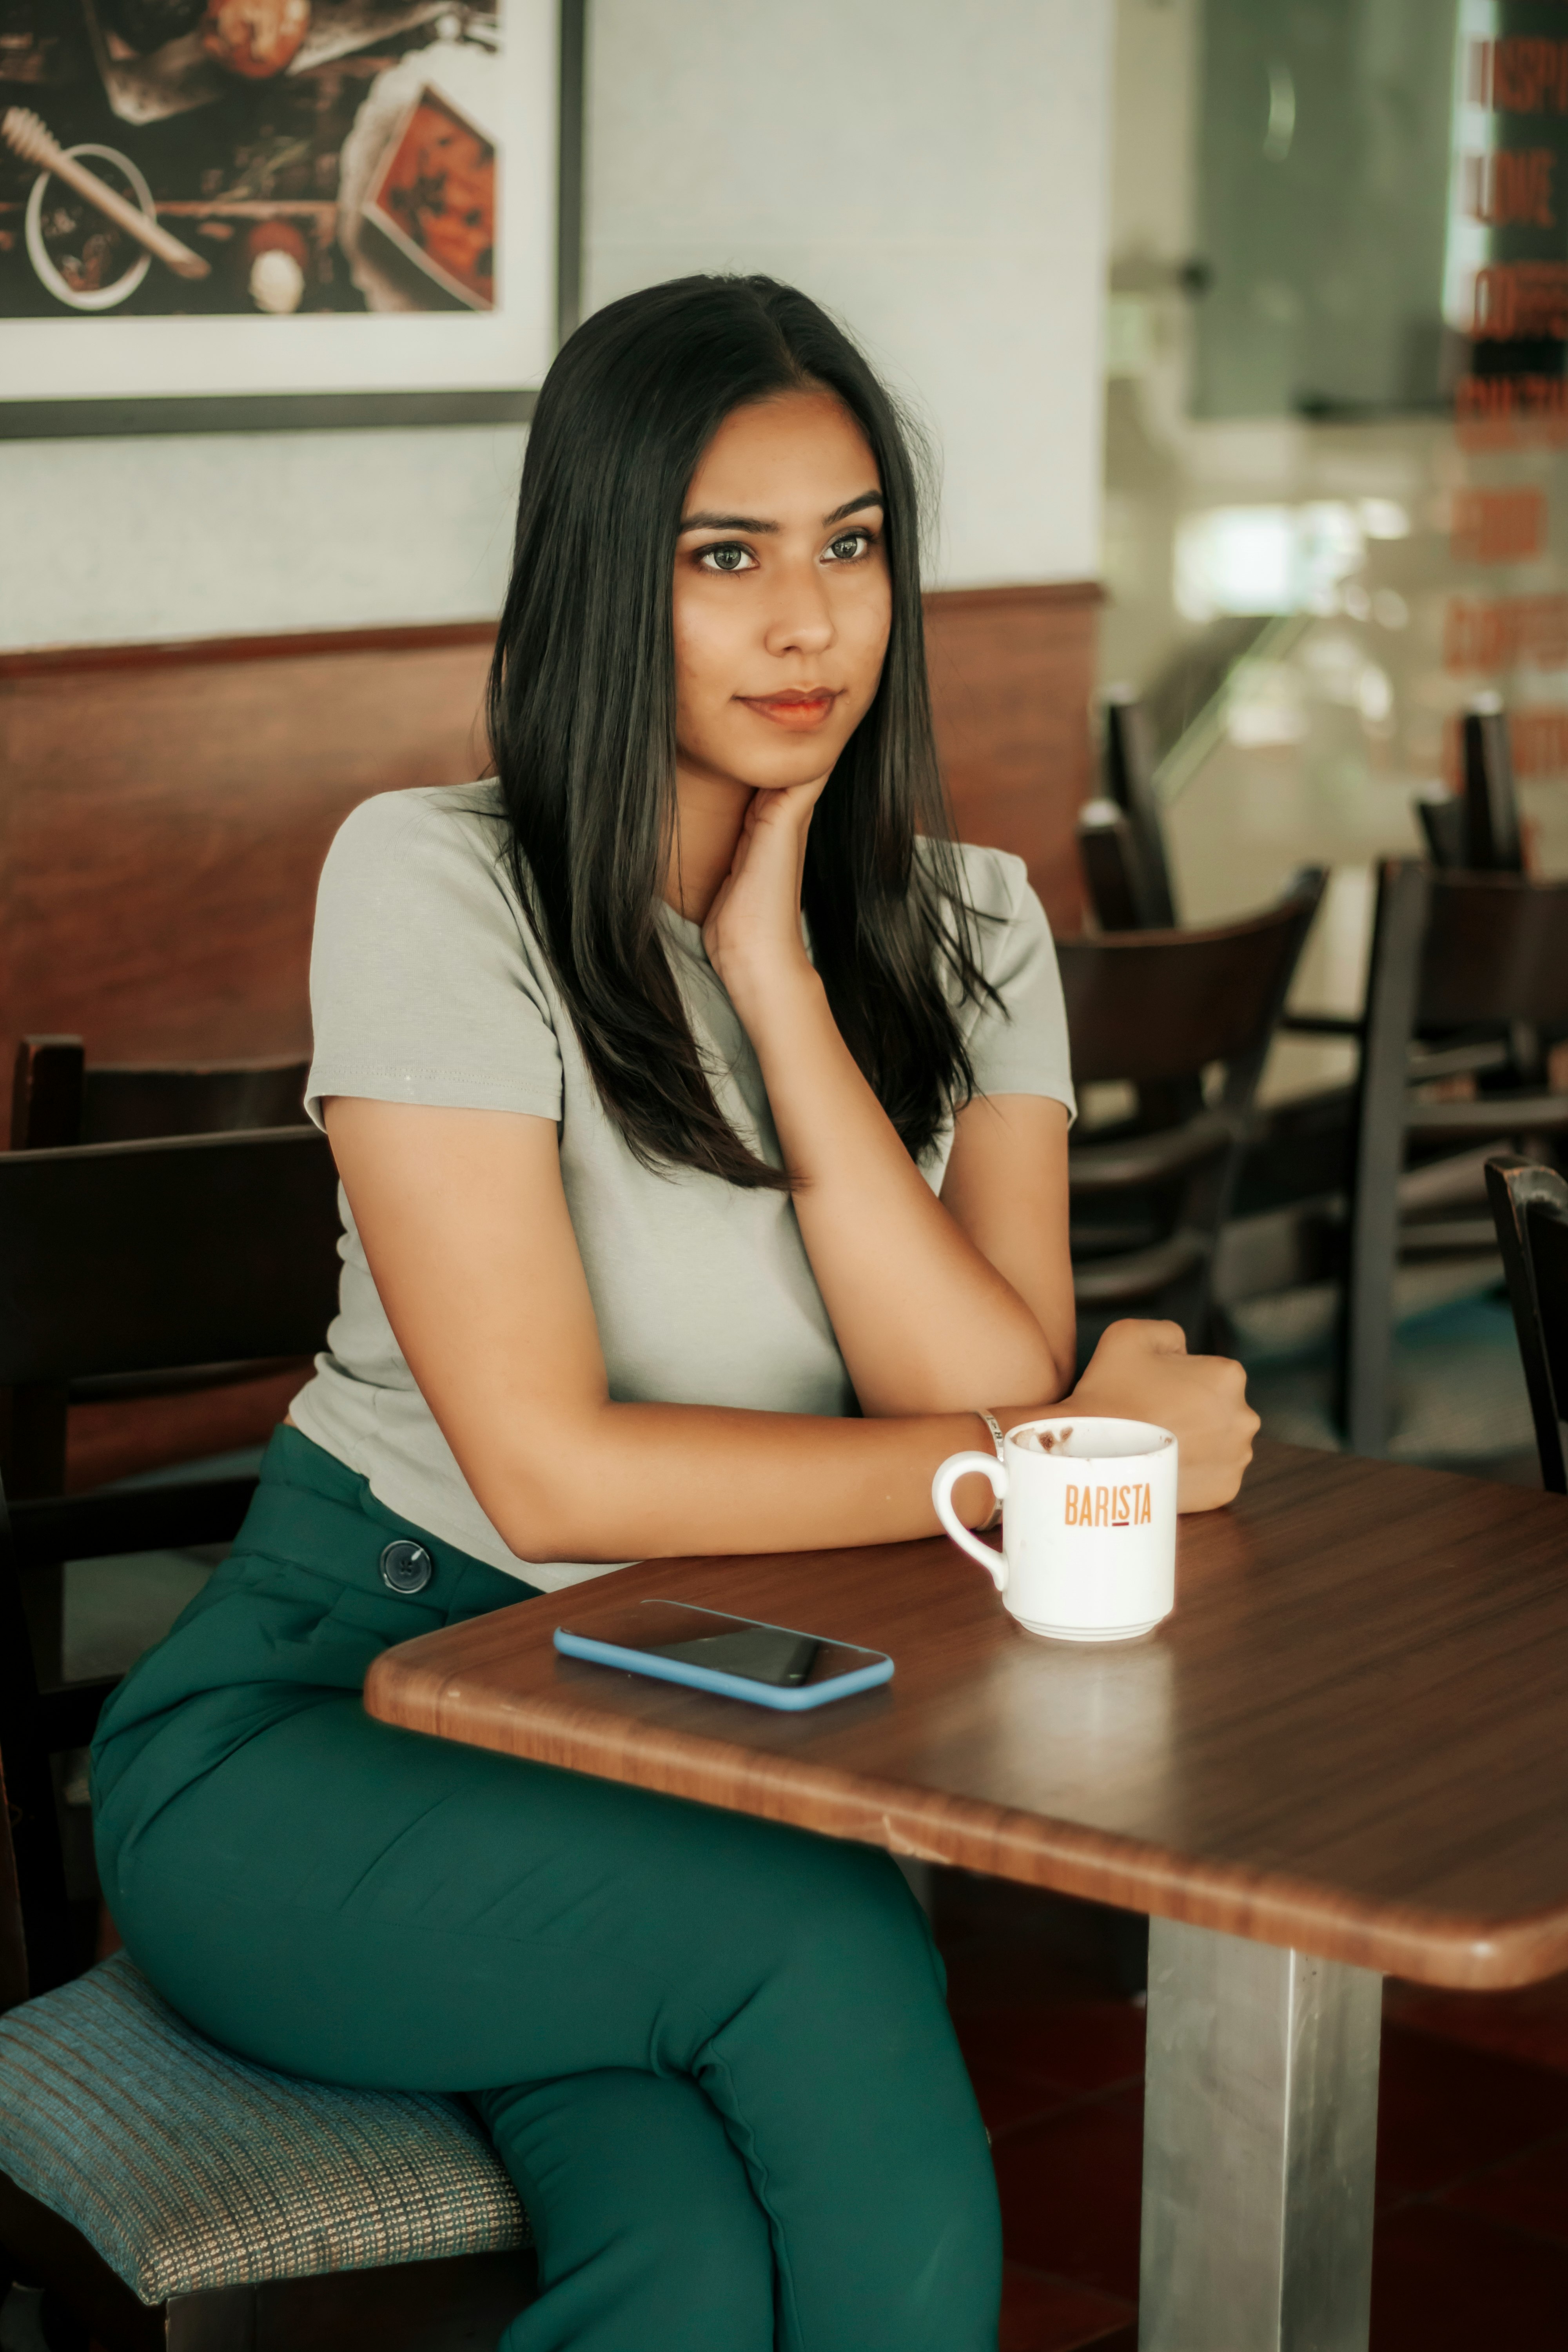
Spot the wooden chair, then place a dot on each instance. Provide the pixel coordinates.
(1477, 830)
(1468, 972)
(57, 1098)
(1123, 891)
(1121, 837)
(170, 2193)
(1529, 1212)
(1159, 1010)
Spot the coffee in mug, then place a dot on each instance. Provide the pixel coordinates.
(1089, 1525)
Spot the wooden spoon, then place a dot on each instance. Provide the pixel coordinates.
(25, 135)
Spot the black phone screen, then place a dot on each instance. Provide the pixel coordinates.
(729, 1645)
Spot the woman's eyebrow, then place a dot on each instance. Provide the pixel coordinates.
(726, 522)
(755, 522)
(853, 506)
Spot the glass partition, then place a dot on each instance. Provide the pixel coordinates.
(1336, 519)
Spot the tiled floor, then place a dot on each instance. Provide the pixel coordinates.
(1471, 2246)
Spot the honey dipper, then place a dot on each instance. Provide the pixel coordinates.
(26, 136)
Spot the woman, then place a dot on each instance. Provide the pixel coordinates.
(702, 1116)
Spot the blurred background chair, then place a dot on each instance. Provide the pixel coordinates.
(1468, 986)
(1530, 1210)
(1121, 840)
(1181, 1020)
(159, 2189)
(1329, 1164)
(1477, 830)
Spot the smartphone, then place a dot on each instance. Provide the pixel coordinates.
(771, 1665)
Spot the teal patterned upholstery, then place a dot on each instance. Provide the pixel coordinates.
(186, 2167)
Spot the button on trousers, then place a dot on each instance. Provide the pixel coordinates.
(714, 2052)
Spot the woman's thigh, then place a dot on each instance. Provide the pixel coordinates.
(367, 1905)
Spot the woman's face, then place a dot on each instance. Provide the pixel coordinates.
(781, 594)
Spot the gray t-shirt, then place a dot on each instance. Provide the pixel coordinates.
(427, 986)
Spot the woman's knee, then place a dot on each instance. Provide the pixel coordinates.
(843, 1909)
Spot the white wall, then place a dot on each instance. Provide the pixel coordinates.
(934, 170)
(228, 534)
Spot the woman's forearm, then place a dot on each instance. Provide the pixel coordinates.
(925, 1322)
(605, 1481)
(645, 1481)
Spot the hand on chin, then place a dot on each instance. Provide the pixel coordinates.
(752, 933)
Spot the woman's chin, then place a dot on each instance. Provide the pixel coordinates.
(800, 761)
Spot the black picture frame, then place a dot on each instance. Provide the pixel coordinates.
(113, 417)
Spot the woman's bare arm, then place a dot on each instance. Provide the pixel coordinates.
(466, 1227)
(926, 1318)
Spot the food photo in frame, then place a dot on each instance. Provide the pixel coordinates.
(281, 211)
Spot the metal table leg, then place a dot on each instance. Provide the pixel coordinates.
(1259, 2138)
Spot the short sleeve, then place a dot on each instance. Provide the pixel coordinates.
(422, 987)
(1019, 1046)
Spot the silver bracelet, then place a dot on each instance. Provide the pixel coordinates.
(995, 1426)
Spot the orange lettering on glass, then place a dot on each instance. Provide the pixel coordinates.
(1521, 74)
(1510, 190)
(1498, 526)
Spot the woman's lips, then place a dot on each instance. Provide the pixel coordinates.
(794, 710)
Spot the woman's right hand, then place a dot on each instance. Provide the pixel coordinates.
(752, 930)
(1141, 1371)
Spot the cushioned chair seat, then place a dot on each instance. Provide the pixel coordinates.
(186, 2167)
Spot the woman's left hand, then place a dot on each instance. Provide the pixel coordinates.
(752, 933)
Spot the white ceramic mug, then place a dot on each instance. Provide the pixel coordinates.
(1089, 1525)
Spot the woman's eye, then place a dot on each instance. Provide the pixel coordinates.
(727, 558)
(850, 546)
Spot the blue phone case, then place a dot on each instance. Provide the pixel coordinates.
(677, 1670)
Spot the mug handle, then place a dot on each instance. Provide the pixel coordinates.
(957, 1466)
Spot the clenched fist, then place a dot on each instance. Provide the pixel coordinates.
(1141, 1371)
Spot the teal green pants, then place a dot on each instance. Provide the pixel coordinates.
(714, 2052)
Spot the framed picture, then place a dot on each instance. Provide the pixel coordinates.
(252, 213)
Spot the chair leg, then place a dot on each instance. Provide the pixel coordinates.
(215, 2319)
(45, 2251)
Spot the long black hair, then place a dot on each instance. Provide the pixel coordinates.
(581, 723)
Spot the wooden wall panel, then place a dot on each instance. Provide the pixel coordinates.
(1011, 676)
(164, 811)
(163, 815)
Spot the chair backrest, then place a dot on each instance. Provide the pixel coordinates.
(1494, 950)
(1129, 783)
(58, 1098)
(1477, 830)
(1493, 844)
(124, 1257)
(1158, 1009)
(1124, 895)
(1159, 1006)
(1529, 1210)
(1475, 965)
(1445, 824)
(146, 1257)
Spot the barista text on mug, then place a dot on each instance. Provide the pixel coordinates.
(1109, 1506)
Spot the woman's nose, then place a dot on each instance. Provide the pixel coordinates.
(801, 618)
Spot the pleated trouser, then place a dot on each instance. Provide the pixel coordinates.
(714, 2052)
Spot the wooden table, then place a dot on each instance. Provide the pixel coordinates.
(1345, 1754)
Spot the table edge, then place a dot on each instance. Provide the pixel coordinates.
(1462, 1952)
